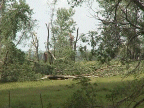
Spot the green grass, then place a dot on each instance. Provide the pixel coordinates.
(55, 93)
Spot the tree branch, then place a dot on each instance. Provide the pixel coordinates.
(139, 4)
(133, 94)
(19, 40)
(130, 21)
(138, 103)
(116, 7)
(133, 69)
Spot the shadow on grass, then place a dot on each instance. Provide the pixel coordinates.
(27, 94)
(54, 93)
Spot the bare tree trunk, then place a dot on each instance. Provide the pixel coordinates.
(35, 43)
(47, 44)
(37, 54)
(51, 22)
(47, 26)
(76, 43)
(50, 56)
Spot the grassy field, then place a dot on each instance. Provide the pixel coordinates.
(53, 92)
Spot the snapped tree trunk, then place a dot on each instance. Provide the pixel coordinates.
(35, 43)
(50, 56)
(75, 43)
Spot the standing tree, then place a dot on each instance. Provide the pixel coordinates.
(93, 39)
(118, 21)
(122, 23)
(63, 26)
(15, 25)
(15, 20)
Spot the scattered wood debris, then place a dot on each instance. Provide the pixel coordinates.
(63, 77)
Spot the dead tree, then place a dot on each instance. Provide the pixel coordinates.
(49, 55)
(35, 43)
(45, 57)
(71, 39)
(75, 43)
(53, 8)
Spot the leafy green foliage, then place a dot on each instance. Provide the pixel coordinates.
(78, 68)
(17, 72)
(124, 95)
(63, 26)
(119, 31)
(74, 3)
(93, 39)
(43, 68)
(15, 20)
(102, 55)
(14, 55)
(62, 65)
(84, 97)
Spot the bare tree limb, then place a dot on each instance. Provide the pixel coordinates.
(47, 26)
(133, 70)
(116, 7)
(126, 17)
(35, 43)
(76, 40)
(19, 40)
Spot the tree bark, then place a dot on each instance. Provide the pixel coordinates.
(76, 43)
(35, 44)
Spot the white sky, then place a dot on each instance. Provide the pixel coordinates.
(42, 14)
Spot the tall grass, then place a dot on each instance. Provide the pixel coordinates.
(54, 92)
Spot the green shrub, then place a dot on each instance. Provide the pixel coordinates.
(43, 68)
(64, 66)
(128, 94)
(82, 68)
(17, 72)
(86, 97)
